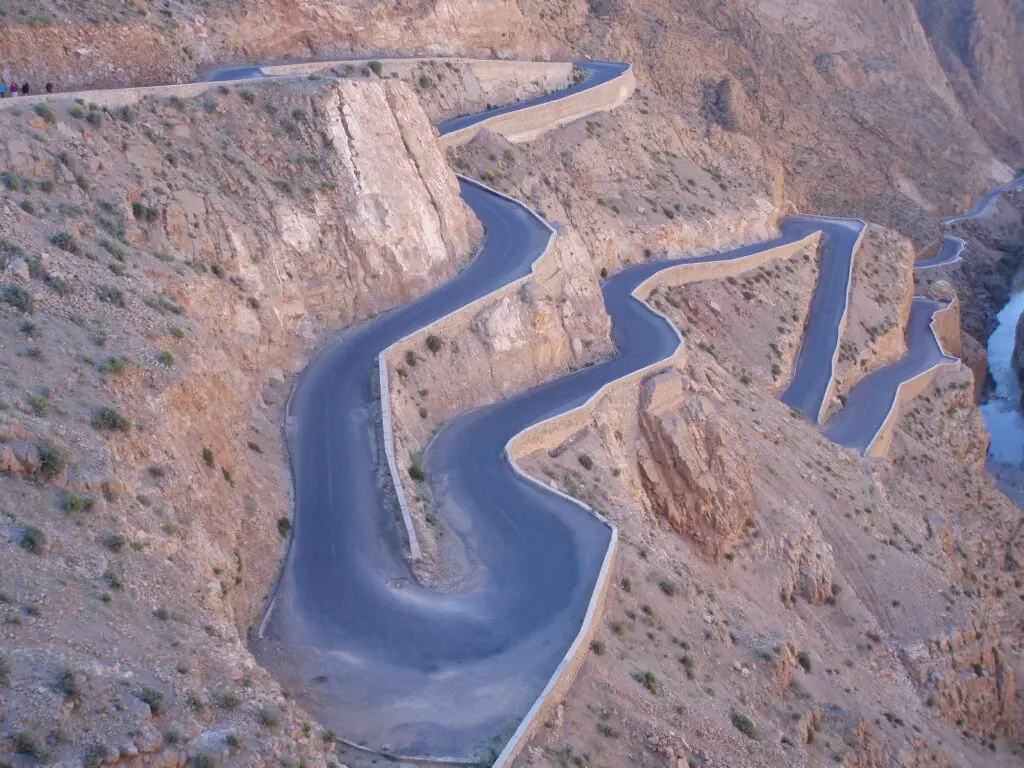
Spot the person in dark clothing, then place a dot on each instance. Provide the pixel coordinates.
(14, 89)
(24, 89)
(49, 87)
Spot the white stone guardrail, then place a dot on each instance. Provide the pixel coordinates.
(909, 389)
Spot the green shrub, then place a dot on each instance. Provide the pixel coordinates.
(162, 614)
(51, 460)
(268, 716)
(376, 67)
(668, 587)
(46, 112)
(20, 299)
(72, 502)
(115, 542)
(66, 242)
(33, 540)
(111, 295)
(95, 756)
(40, 404)
(208, 457)
(434, 343)
(648, 680)
(744, 725)
(111, 494)
(115, 365)
(68, 684)
(154, 699)
(284, 526)
(110, 419)
(228, 476)
(247, 96)
(165, 358)
(30, 744)
(177, 332)
(228, 699)
(805, 661)
(416, 472)
(114, 580)
(78, 111)
(5, 670)
(585, 461)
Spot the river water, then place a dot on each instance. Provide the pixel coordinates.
(1002, 411)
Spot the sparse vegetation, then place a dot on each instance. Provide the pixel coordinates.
(268, 716)
(46, 112)
(110, 419)
(434, 343)
(744, 725)
(284, 526)
(154, 699)
(208, 457)
(20, 299)
(66, 242)
(33, 540)
(416, 472)
(648, 680)
(51, 460)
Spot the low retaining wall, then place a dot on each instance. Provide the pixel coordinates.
(682, 274)
(530, 122)
(123, 97)
(907, 391)
(415, 551)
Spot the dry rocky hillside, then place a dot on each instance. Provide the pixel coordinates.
(168, 267)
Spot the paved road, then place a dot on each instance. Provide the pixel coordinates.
(950, 253)
(983, 202)
(869, 402)
(815, 363)
(236, 73)
(598, 72)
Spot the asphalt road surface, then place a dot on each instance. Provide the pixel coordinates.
(869, 402)
(598, 72)
(813, 371)
(950, 253)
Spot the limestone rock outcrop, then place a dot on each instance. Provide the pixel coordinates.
(692, 464)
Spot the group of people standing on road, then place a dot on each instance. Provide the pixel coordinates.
(15, 90)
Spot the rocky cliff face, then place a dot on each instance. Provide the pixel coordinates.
(692, 466)
(167, 269)
(978, 44)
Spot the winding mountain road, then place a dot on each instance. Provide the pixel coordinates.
(401, 669)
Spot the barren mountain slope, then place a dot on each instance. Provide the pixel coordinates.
(847, 103)
(978, 44)
(167, 268)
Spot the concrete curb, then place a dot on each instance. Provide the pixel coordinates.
(889, 420)
(415, 550)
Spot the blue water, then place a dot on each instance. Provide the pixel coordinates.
(1002, 411)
